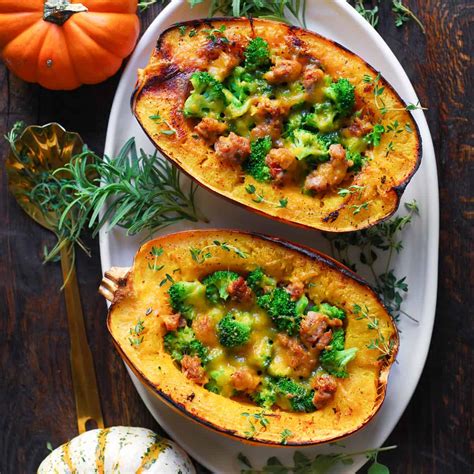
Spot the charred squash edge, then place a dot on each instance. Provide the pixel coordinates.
(398, 189)
(309, 253)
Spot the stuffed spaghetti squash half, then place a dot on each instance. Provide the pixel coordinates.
(280, 120)
(254, 337)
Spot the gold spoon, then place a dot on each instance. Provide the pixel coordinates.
(38, 152)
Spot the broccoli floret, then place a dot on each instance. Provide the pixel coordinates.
(323, 118)
(335, 359)
(183, 341)
(183, 296)
(260, 282)
(217, 284)
(282, 310)
(292, 95)
(331, 138)
(308, 145)
(207, 99)
(220, 382)
(341, 93)
(357, 159)
(255, 164)
(295, 120)
(332, 311)
(300, 398)
(243, 84)
(231, 332)
(286, 393)
(301, 305)
(261, 354)
(355, 144)
(267, 394)
(257, 55)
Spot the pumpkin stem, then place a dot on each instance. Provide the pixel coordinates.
(59, 11)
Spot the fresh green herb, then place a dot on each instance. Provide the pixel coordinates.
(370, 14)
(216, 34)
(389, 148)
(320, 464)
(259, 197)
(375, 136)
(156, 252)
(368, 244)
(250, 188)
(136, 333)
(193, 33)
(394, 127)
(285, 434)
(379, 343)
(49, 446)
(278, 10)
(145, 4)
(353, 189)
(143, 192)
(156, 118)
(378, 99)
(182, 30)
(403, 14)
(254, 418)
(168, 278)
(359, 207)
(201, 255)
(136, 191)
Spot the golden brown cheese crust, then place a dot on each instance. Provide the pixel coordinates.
(163, 87)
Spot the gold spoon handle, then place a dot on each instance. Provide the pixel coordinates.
(82, 366)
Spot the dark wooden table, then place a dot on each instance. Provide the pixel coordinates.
(36, 397)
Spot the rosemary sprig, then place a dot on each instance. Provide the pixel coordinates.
(137, 191)
(380, 241)
(270, 9)
(320, 464)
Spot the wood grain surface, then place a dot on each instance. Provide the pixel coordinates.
(36, 398)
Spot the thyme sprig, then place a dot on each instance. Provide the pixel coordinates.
(380, 342)
(259, 197)
(320, 464)
(371, 13)
(202, 254)
(254, 420)
(403, 14)
(381, 241)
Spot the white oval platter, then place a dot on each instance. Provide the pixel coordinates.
(419, 259)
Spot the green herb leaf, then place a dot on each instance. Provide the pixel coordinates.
(377, 468)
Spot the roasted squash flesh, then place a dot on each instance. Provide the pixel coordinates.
(265, 114)
(215, 388)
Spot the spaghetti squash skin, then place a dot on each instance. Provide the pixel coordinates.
(164, 85)
(142, 304)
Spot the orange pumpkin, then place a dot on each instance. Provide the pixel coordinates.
(62, 44)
